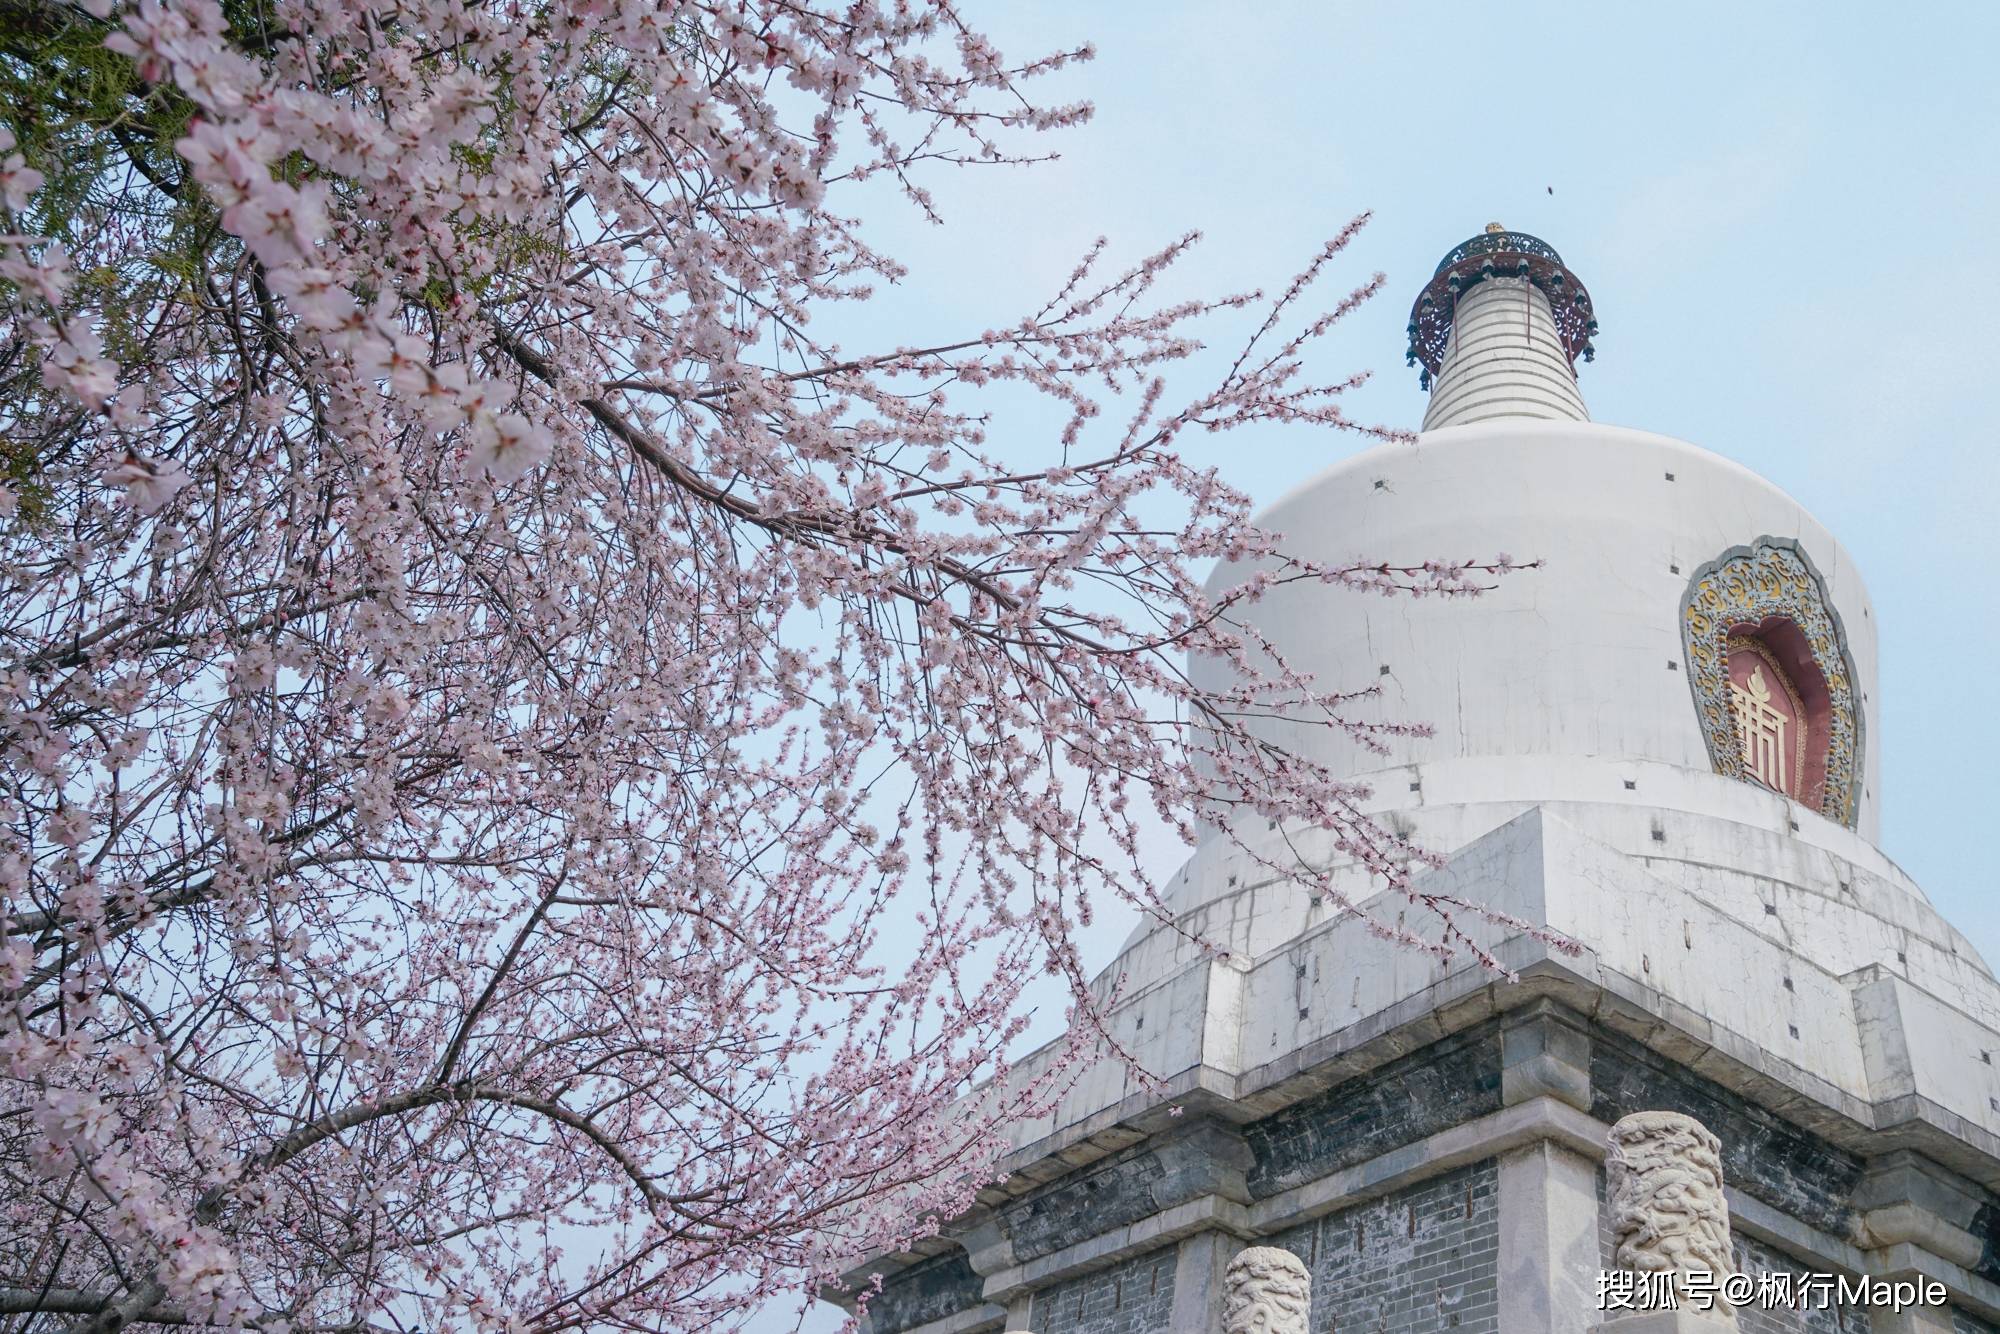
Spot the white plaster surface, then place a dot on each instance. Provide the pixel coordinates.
(1568, 662)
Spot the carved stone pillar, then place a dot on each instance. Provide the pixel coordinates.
(1270, 1292)
(1663, 1177)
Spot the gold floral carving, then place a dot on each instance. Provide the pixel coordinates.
(1749, 586)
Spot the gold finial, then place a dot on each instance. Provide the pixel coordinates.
(1493, 227)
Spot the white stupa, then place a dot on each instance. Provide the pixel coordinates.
(1661, 745)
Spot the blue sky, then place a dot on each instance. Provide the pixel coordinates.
(1785, 213)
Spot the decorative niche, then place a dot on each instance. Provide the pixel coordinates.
(1773, 684)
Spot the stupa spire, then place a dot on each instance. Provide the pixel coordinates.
(1499, 329)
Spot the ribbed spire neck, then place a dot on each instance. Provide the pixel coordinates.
(1504, 359)
(1499, 329)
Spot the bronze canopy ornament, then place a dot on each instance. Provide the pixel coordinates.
(1498, 253)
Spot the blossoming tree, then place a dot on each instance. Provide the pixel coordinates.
(532, 779)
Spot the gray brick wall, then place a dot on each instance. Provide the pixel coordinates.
(1420, 1261)
(1086, 1204)
(1136, 1297)
(1755, 1258)
(930, 1290)
(1446, 1084)
(1986, 1226)
(1763, 1155)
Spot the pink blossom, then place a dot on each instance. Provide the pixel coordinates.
(149, 483)
(314, 295)
(17, 179)
(75, 365)
(434, 833)
(128, 410)
(505, 445)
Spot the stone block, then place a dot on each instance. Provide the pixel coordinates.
(1548, 1237)
(1541, 1056)
(1666, 1322)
